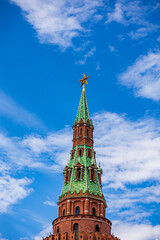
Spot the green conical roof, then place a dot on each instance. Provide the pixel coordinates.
(83, 111)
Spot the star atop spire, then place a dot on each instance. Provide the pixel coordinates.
(84, 81)
(83, 111)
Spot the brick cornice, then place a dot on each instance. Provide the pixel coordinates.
(82, 195)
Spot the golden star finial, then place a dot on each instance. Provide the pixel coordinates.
(84, 81)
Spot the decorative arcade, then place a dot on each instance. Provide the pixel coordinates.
(81, 205)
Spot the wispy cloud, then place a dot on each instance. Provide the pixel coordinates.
(1, 238)
(50, 203)
(112, 48)
(47, 229)
(30, 151)
(133, 13)
(127, 149)
(131, 231)
(131, 203)
(12, 190)
(58, 22)
(87, 55)
(12, 110)
(144, 76)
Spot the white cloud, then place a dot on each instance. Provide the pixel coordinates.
(89, 54)
(129, 203)
(10, 109)
(50, 203)
(133, 12)
(129, 153)
(1, 238)
(45, 232)
(130, 231)
(127, 149)
(112, 48)
(58, 22)
(45, 153)
(117, 14)
(144, 76)
(127, 12)
(12, 190)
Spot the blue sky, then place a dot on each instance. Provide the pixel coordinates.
(45, 47)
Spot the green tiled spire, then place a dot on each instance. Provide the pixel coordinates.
(83, 111)
(85, 162)
(85, 184)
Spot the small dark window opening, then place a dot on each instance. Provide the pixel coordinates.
(92, 175)
(78, 174)
(77, 210)
(57, 229)
(63, 212)
(67, 175)
(80, 152)
(75, 229)
(87, 132)
(81, 131)
(97, 228)
(72, 154)
(93, 211)
(75, 133)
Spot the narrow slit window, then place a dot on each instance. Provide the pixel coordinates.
(78, 174)
(81, 131)
(93, 211)
(87, 132)
(92, 175)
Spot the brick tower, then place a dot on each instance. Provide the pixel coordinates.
(81, 205)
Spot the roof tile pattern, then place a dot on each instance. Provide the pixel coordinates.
(85, 184)
(83, 111)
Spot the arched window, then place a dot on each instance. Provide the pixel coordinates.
(93, 211)
(92, 175)
(63, 212)
(57, 229)
(67, 176)
(97, 228)
(75, 229)
(78, 174)
(87, 132)
(81, 131)
(77, 210)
